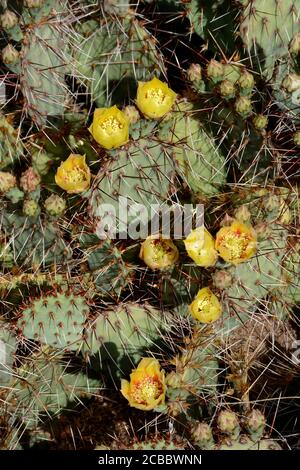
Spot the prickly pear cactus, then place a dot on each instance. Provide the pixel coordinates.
(230, 437)
(11, 146)
(200, 161)
(149, 224)
(195, 376)
(112, 55)
(40, 62)
(260, 28)
(156, 443)
(143, 173)
(33, 242)
(57, 321)
(8, 347)
(120, 335)
(43, 387)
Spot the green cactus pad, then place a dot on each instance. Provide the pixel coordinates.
(200, 162)
(11, 148)
(142, 172)
(160, 444)
(44, 387)
(212, 21)
(122, 334)
(195, 377)
(8, 347)
(286, 88)
(245, 443)
(110, 272)
(55, 320)
(266, 28)
(33, 241)
(43, 74)
(252, 282)
(291, 275)
(112, 55)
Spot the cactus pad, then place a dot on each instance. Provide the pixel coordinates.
(56, 320)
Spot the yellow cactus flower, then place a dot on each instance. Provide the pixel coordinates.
(206, 307)
(154, 99)
(146, 389)
(200, 246)
(73, 175)
(110, 127)
(158, 252)
(236, 243)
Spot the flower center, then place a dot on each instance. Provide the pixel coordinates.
(156, 95)
(76, 175)
(160, 249)
(236, 244)
(204, 305)
(111, 125)
(146, 390)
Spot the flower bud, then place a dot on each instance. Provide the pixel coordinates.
(246, 82)
(7, 181)
(33, 3)
(194, 73)
(228, 423)
(255, 422)
(243, 106)
(291, 82)
(202, 436)
(55, 205)
(296, 138)
(31, 208)
(242, 214)
(222, 279)
(227, 89)
(10, 55)
(132, 114)
(260, 122)
(206, 307)
(215, 71)
(294, 47)
(30, 180)
(9, 19)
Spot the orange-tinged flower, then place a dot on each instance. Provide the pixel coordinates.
(158, 252)
(236, 243)
(206, 307)
(154, 98)
(146, 389)
(73, 175)
(200, 246)
(110, 127)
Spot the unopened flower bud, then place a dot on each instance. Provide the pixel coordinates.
(9, 19)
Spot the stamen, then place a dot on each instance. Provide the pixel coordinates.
(111, 125)
(156, 94)
(147, 389)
